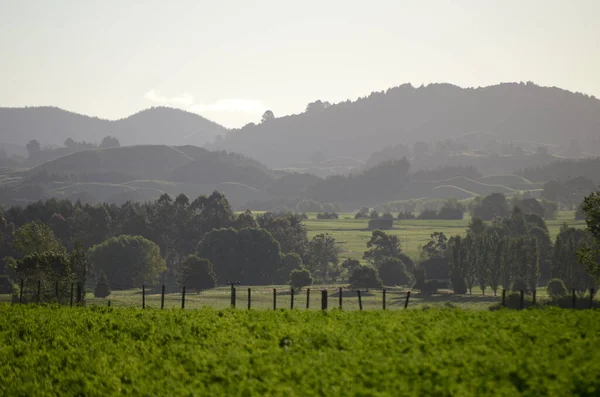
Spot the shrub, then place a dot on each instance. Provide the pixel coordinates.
(392, 271)
(102, 289)
(419, 278)
(513, 301)
(520, 285)
(430, 287)
(365, 277)
(406, 215)
(459, 285)
(428, 214)
(557, 288)
(300, 278)
(327, 215)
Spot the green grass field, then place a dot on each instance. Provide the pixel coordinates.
(48, 351)
(352, 234)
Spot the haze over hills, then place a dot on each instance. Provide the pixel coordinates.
(437, 142)
(405, 114)
(158, 125)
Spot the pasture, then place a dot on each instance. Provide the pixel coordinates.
(352, 234)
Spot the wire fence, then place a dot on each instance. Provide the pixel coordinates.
(282, 297)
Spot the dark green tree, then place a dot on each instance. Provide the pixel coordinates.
(382, 245)
(495, 260)
(322, 257)
(458, 264)
(300, 278)
(51, 270)
(437, 245)
(109, 142)
(532, 267)
(471, 261)
(127, 261)
(250, 255)
(492, 206)
(349, 265)
(589, 255)
(36, 238)
(197, 273)
(288, 229)
(289, 262)
(392, 271)
(420, 278)
(365, 277)
(482, 248)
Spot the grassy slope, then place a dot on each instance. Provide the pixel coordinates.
(100, 352)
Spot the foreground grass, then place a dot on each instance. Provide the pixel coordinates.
(108, 351)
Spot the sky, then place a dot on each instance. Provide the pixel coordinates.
(231, 60)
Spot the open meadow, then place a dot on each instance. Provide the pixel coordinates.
(352, 234)
(47, 351)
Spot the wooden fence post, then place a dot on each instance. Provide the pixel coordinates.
(533, 293)
(56, 292)
(591, 298)
(21, 292)
(143, 296)
(504, 297)
(521, 301)
(407, 298)
(72, 286)
(39, 288)
(162, 297)
(292, 298)
(249, 298)
(359, 299)
(109, 303)
(233, 296)
(274, 299)
(384, 299)
(574, 299)
(340, 297)
(324, 299)
(308, 298)
(183, 297)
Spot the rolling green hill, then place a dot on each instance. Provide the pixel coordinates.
(450, 191)
(145, 162)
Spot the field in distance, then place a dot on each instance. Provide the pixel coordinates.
(107, 351)
(352, 234)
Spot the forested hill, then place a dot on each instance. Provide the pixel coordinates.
(159, 125)
(404, 114)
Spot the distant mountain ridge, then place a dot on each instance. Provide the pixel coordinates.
(406, 114)
(157, 125)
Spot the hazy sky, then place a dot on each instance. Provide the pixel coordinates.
(231, 60)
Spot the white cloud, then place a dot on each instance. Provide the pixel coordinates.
(231, 105)
(187, 101)
(183, 100)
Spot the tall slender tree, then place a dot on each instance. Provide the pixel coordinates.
(482, 270)
(532, 270)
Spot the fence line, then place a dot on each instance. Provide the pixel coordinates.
(577, 300)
